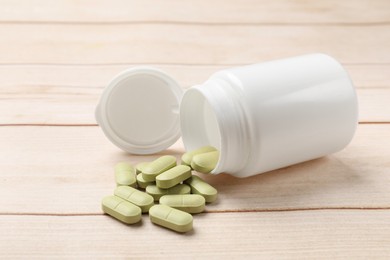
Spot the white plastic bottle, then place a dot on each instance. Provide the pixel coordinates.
(270, 115)
(260, 117)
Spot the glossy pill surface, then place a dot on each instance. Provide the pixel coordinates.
(162, 164)
(157, 192)
(205, 162)
(190, 203)
(125, 175)
(171, 218)
(186, 158)
(141, 183)
(138, 198)
(121, 209)
(199, 186)
(173, 176)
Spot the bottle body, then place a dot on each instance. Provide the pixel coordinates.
(271, 115)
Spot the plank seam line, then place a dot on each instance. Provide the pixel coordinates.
(49, 125)
(53, 64)
(193, 23)
(101, 87)
(296, 209)
(374, 123)
(207, 211)
(93, 125)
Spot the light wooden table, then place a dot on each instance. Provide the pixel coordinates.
(56, 165)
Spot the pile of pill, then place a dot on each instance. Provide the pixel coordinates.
(178, 192)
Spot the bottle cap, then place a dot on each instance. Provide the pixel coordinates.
(139, 110)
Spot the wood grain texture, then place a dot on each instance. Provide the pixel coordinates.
(320, 234)
(69, 94)
(67, 170)
(18, 79)
(57, 56)
(68, 105)
(190, 44)
(282, 12)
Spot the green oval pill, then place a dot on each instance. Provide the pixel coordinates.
(190, 203)
(121, 209)
(205, 162)
(139, 168)
(199, 186)
(125, 175)
(157, 192)
(138, 198)
(162, 164)
(142, 183)
(187, 157)
(124, 166)
(173, 176)
(171, 218)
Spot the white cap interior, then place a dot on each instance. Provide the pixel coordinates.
(139, 110)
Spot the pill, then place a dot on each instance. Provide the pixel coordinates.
(190, 203)
(205, 162)
(138, 198)
(199, 186)
(173, 176)
(125, 175)
(187, 157)
(141, 183)
(171, 218)
(157, 193)
(121, 209)
(158, 166)
(140, 167)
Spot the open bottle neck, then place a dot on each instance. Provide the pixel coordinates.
(213, 114)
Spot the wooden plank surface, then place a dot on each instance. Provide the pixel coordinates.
(56, 165)
(189, 44)
(67, 170)
(362, 12)
(319, 234)
(22, 78)
(68, 94)
(67, 105)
